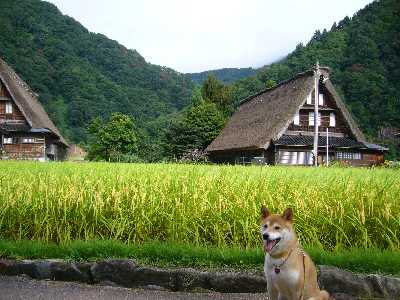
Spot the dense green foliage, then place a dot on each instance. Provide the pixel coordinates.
(364, 55)
(111, 140)
(183, 255)
(81, 75)
(216, 92)
(226, 75)
(196, 127)
(198, 204)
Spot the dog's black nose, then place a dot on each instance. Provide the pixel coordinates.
(265, 236)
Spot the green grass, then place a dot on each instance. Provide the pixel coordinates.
(335, 208)
(179, 255)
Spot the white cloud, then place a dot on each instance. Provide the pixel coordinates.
(192, 36)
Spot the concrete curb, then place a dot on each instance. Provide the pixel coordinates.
(126, 273)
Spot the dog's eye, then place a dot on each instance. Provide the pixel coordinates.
(265, 226)
(277, 227)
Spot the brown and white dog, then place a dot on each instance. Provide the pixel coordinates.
(290, 272)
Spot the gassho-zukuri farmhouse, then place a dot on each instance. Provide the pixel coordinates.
(26, 130)
(276, 127)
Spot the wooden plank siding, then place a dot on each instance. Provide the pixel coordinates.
(368, 159)
(16, 116)
(329, 106)
(24, 151)
(3, 92)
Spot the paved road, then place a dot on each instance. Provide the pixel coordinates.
(22, 288)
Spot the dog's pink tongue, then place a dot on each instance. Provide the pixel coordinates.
(268, 245)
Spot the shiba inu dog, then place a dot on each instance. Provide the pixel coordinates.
(290, 272)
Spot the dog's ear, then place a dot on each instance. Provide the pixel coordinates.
(264, 212)
(288, 214)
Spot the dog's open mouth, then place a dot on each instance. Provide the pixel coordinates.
(270, 244)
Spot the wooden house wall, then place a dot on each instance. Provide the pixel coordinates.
(3, 91)
(271, 156)
(24, 151)
(368, 157)
(54, 150)
(16, 116)
(20, 150)
(237, 157)
(43, 147)
(329, 106)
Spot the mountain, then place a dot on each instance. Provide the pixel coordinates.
(226, 75)
(80, 75)
(364, 55)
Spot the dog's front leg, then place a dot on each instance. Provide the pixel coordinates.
(272, 292)
(296, 296)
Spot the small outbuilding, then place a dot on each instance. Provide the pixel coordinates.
(276, 126)
(26, 131)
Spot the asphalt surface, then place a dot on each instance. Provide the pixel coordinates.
(23, 288)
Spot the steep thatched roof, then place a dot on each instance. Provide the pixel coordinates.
(27, 101)
(346, 114)
(265, 116)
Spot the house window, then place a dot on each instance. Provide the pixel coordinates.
(332, 120)
(7, 140)
(321, 99)
(295, 158)
(296, 120)
(311, 118)
(9, 108)
(28, 140)
(348, 155)
(309, 99)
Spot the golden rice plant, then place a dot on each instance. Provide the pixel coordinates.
(197, 204)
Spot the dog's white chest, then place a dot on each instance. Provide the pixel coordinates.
(286, 277)
(290, 277)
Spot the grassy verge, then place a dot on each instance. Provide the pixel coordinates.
(180, 255)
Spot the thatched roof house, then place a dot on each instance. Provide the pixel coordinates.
(276, 126)
(26, 130)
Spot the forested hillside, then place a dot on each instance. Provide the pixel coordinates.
(226, 75)
(364, 55)
(80, 75)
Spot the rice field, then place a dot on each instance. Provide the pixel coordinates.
(335, 208)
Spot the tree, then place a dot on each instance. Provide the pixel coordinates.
(195, 129)
(197, 97)
(115, 137)
(216, 92)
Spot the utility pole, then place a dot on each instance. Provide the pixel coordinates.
(317, 74)
(327, 147)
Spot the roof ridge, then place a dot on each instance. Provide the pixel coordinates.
(298, 75)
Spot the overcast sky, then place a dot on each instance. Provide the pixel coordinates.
(194, 35)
